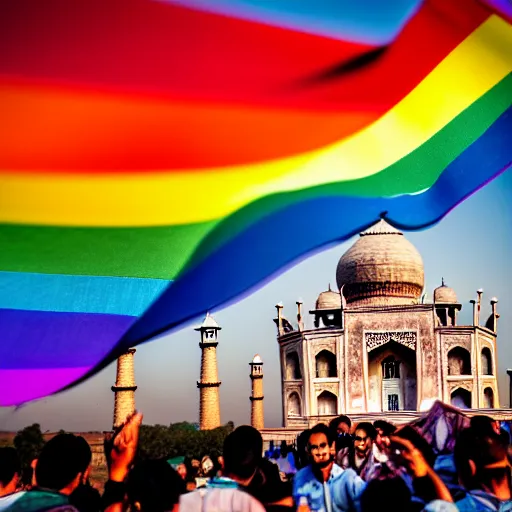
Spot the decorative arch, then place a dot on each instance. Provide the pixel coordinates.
(293, 366)
(461, 398)
(459, 361)
(326, 364)
(327, 404)
(488, 398)
(294, 404)
(486, 361)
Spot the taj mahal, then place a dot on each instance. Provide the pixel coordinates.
(378, 347)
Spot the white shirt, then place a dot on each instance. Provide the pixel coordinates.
(7, 500)
(219, 500)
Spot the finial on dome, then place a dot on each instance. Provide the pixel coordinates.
(329, 289)
(442, 281)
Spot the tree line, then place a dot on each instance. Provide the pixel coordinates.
(155, 441)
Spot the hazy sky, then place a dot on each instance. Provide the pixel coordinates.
(471, 249)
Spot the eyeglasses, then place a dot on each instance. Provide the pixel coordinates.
(359, 439)
(321, 446)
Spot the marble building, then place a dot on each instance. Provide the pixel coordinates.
(378, 346)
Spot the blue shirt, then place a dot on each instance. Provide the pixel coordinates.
(341, 492)
(481, 501)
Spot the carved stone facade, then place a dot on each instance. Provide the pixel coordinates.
(377, 339)
(379, 346)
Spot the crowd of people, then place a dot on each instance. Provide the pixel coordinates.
(338, 467)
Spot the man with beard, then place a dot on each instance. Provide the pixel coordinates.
(326, 485)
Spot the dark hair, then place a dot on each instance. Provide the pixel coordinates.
(63, 457)
(242, 452)
(252, 437)
(483, 448)
(322, 428)
(385, 495)
(9, 464)
(482, 425)
(302, 443)
(419, 442)
(86, 498)
(387, 428)
(340, 419)
(155, 485)
(368, 428)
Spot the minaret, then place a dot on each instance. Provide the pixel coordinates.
(209, 403)
(124, 388)
(257, 413)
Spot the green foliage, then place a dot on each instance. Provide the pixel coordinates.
(157, 441)
(29, 442)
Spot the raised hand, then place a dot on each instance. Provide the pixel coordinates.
(124, 448)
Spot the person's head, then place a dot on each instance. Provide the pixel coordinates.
(364, 436)
(481, 457)
(154, 486)
(341, 425)
(242, 454)
(86, 498)
(321, 445)
(419, 443)
(181, 469)
(10, 470)
(384, 430)
(64, 463)
(302, 452)
(485, 425)
(385, 495)
(252, 438)
(284, 449)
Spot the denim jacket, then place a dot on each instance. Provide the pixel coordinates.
(341, 492)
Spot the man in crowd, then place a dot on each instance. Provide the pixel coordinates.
(383, 430)
(481, 459)
(227, 493)
(359, 456)
(326, 485)
(62, 467)
(154, 486)
(10, 475)
(341, 427)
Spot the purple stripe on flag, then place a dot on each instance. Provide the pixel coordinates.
(46, 339)
(18, 385)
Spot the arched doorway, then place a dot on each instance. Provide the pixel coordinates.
(461, 398)
(488, 398)
(292, 366)
(294, 408)
(459, 361)
(486, 360)
(392, 378)
(325, 364)
(327, 404)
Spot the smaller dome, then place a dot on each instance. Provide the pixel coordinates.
(257, 359)
(328, 300)
(445, 295)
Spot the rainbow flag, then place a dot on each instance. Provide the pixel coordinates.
(161, 158)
